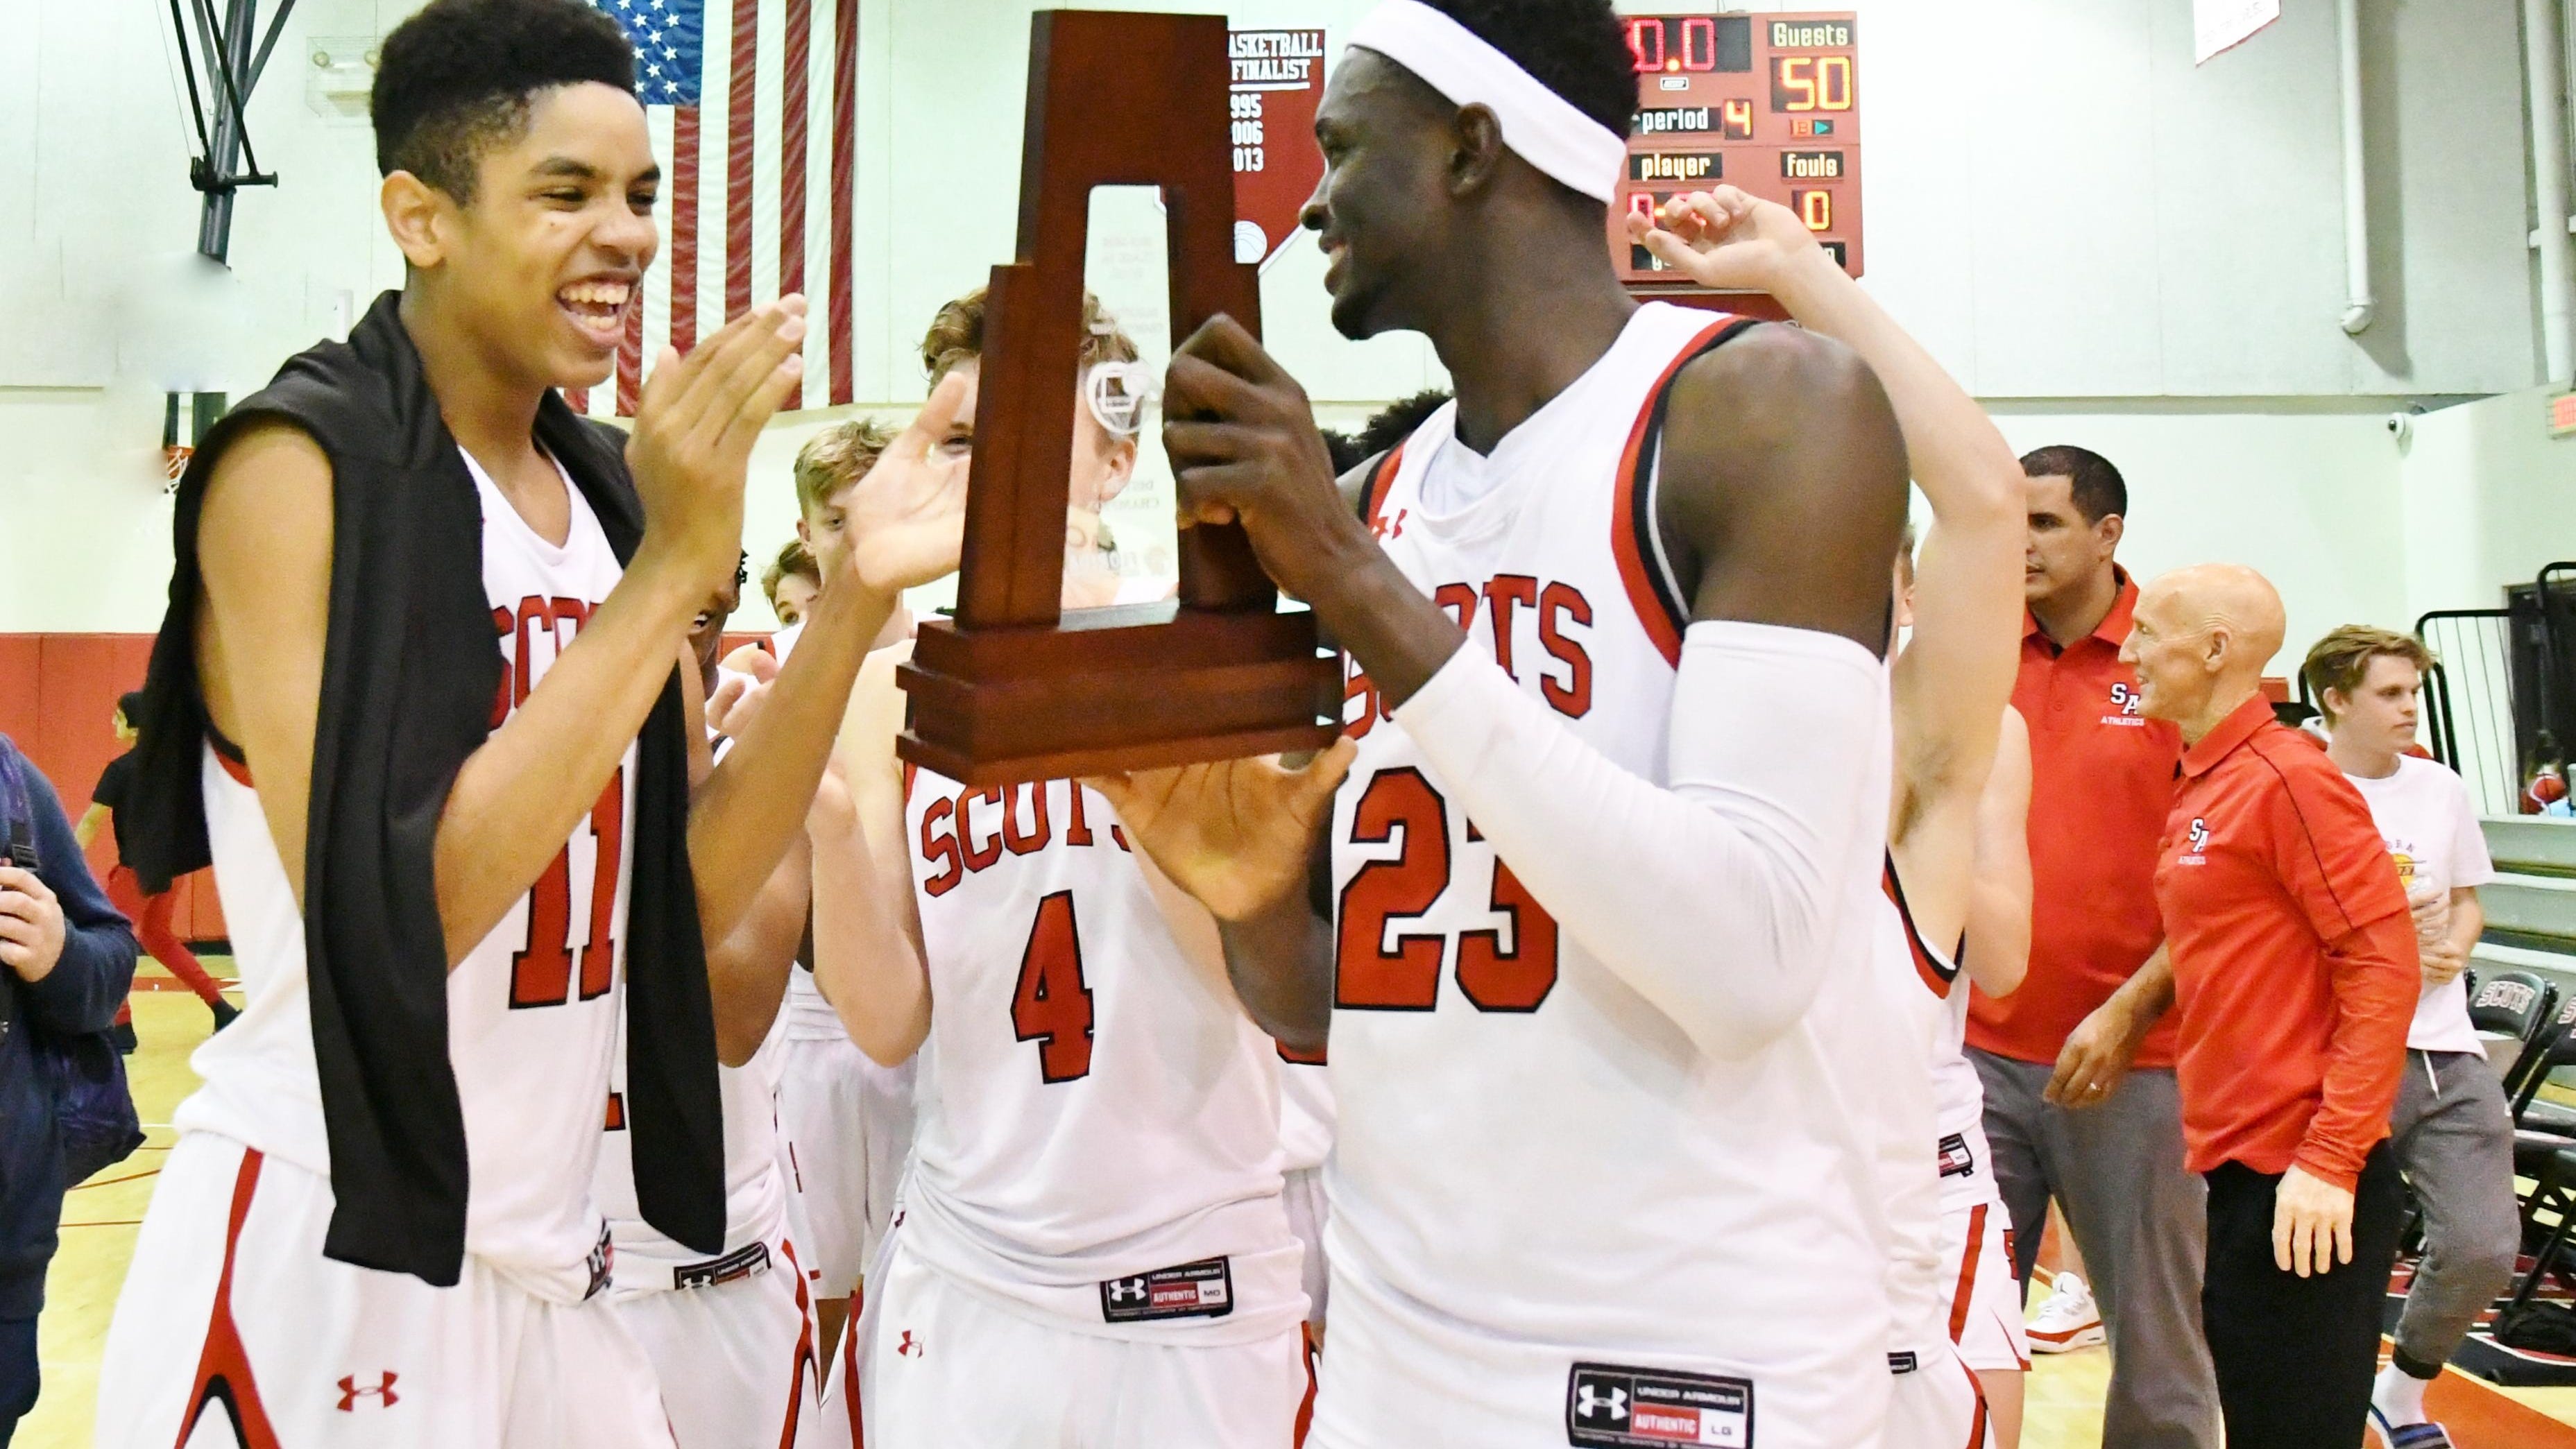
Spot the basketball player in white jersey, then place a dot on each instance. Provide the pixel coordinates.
(283, 1292)
(731, 1335)
(1958, 858)
(846, 1121)
(1605, 863)
(1090, 1250)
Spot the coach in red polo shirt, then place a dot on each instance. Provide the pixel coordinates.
(2081, 1103)
(2295, 976)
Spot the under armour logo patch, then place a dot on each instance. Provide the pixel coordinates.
(910, 1347)
(382, 1392)
(1122, 1290)
(1591, 1403)
(1389, 527)
(1616, 1406)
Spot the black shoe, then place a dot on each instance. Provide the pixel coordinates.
(225, 1012)
(123, 1035)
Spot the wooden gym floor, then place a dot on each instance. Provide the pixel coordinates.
(100, 1218)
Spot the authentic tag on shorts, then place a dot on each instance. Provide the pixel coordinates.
(1956, 1159)
(1608, 1406)
(1204, 1289)
(741, 1263)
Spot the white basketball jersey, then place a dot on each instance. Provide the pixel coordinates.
(1527, 1151)
(1098, 1121)
(1305, 1115)
(755, 1187)
(1958, 1094)
(532, 1011)
(1889, 1052)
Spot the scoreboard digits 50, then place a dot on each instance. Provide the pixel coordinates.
(1767, 103)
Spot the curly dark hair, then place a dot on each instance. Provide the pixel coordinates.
(456, 78)
(1575, 48)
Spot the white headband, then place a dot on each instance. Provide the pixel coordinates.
(1540, 126)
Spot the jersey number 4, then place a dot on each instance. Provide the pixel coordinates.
(1371, 977)
(1052, 1004)
(541, 974)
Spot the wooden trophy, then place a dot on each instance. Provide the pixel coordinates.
(1012, 688)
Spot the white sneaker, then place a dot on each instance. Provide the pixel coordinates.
(2068, 1320)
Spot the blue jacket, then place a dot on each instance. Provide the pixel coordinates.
(81, 994)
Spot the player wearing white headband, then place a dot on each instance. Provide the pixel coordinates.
(1090, 1251)
(1604, 872)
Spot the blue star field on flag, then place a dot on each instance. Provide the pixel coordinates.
(670, 47)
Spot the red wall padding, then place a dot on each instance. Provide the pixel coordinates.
(58, 697)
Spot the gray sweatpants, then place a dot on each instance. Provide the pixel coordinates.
(2139, 1219)
(2452, 1136)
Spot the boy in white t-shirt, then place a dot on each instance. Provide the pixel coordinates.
(2451, 1130)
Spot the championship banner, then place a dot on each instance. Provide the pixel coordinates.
(1277, 83)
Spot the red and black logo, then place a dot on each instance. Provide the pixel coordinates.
(382, 1391)
(743, 1262)
(1956, 1159)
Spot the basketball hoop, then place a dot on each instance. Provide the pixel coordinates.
(185, 418)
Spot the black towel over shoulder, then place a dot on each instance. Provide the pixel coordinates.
(408, 678)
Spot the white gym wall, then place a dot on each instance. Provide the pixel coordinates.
(2112, 246)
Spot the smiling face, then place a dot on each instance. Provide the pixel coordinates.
(543, 264)
(1377, 209)
(2172, 656)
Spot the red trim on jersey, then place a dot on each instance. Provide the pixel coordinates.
(1288, 1053)
(1967, 1289)
(1645, 600)
(1936, 974)
(1306, 1405)
(805, 1361)
(1381, 483)
(235, 768)
(223, 1367)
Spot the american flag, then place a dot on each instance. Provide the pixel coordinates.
(753, 105)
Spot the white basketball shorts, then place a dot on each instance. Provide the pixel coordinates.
(1985, 1301)
(234, 1331)
(737, 1359)
(1396, 1374)
(1937, 1405)
(848, 1124)
(932, 1375)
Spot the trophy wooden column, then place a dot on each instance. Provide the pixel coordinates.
(1013, 688)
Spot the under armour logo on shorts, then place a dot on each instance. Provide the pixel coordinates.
(383, 1392)
(910, 1347)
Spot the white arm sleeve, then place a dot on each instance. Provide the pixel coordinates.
(1711, 897)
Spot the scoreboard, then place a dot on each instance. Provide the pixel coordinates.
(1766, 103)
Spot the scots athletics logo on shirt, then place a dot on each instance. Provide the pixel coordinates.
(2124, 699)
(2196, 847)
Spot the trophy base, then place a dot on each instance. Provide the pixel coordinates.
(1139, 687)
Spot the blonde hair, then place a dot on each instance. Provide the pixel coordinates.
(2341, 660)
(793, 560)
(835, 458)
(956, 336)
